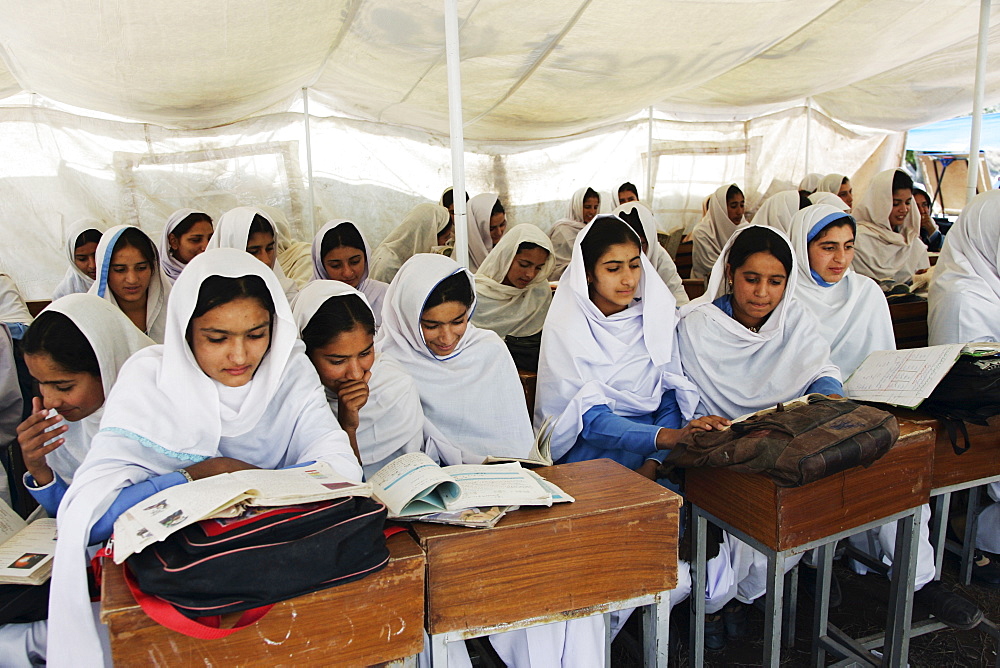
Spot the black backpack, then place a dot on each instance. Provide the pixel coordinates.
(970, 392)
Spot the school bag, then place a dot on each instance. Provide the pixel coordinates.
(793, 444)
(250, 562)
(969, 392)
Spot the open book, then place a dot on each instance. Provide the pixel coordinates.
(226, 495)
(902, 377)
(413, 486)
(26, 550)
(541, 449)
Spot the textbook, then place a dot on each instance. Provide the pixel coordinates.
(541, 449)
(413, 487)
(226, 495)
(902, 377)
(26, 550)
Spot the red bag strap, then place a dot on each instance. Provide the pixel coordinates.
(167, 615)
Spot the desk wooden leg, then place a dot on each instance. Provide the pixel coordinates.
(656, 631)
(824, 570)
(699, 529)
(939, 530)
(439, 651)
(897, 641)
(772, 608)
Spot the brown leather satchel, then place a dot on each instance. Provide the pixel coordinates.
(795, 444)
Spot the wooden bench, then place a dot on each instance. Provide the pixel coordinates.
(909, 324)
(529, 381)
(370, 621)
(694, 287)
(35, 307)
(683, 259)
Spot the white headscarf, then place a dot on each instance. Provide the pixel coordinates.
(830, 183)
(852, 314)
(738, 371)
(391, 421)
(657, 254)
(280, 418)
(777, 210)
(480, 242)
(965, 291)
(12, 306)
(77, 280)
(373, 290)
(156, 294)
(625, 361)
(505, 309)
(172, 267)
(879, 251)
(114, 339)
(712, 233)
(294, 256)
(232, 230)
(830, 199)
(564, 231)
(474, 395)
(810, 182)
(416, 234)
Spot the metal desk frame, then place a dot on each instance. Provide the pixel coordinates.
(939, 525)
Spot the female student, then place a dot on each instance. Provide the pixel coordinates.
(839, 185)
(584, 205)
(888, 246)
(340, 253)
(725, 214)
(229, 389)
(248, 228)
(512, 289)
(185, 235)
(425, 227)
(73, 350)
(778, 209)
(487, 224)
(81, 245)
(641, 219)
(128, 276)
(374, 398)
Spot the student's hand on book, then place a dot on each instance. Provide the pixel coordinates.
(217, 466)
(351, 397)
(32, 437)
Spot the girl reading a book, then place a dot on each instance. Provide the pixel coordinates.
(340, 253)
(128, 276)
(229, 389)
(249, 228)
(73, 350)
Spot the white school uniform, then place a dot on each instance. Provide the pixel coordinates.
(881, 252)
(157, 293)
(830, 184)
(480, 242)
(416, 234)
(663, 264)
(564, 231)
(294, 256)
(279, 418)
(232, 230)
(777, 210)
(830, 199)
(374, 291)
(712, 233)
(810, 182)
(76, 280)
(172, 267)
(506, 309)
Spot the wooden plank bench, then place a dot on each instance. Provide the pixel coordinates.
(909, 324)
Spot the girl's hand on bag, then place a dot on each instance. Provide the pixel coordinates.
(36, 442)
(710, 423)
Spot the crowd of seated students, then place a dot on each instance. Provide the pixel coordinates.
(400, 349)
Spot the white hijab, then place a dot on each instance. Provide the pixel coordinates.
(830, 184)
(279, 418)
(156, 294)
(662, 263)
(505, 309)
(881, 252)
(712, 233)
(294, 256)
(965, 291)
(374, 291)
(830, 199)
(474, 395)
(777, 210)
(114, 339)
(852, 314)
(564, 231)
(232, 230)
(480, 242)
(416, 234)
(810, 182)
(391, 421)
(77, 280)
(738, 371)
(172, 267)
(625, 361)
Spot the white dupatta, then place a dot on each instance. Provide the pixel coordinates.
(830, 184)
(738, 371)
(879, 251)
(830, 199)
(480, 243)
(564, 231)
(374, 291)
(77, 280)
(658, 256)
(416, 234)
(712, 233)
(232, 230)
(506, 309)
(172, 267)
(777, 210)
(625, 361)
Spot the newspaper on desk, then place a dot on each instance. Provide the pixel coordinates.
(902, 377)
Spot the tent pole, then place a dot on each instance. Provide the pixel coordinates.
(309, 161)
(809, 122)
(456, 130)
(978, 99)
(649, 161)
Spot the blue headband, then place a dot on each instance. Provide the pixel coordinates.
(823, 223)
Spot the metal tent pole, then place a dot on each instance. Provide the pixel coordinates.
(977, 99)
(456, 131)
(309, 161)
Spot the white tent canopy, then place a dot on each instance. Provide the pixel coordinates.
(127, 110)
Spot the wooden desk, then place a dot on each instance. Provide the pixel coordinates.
(370, 621)
(529, 381)
(683, 259)
(909, 324)
(694, 287)
(615, 544)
